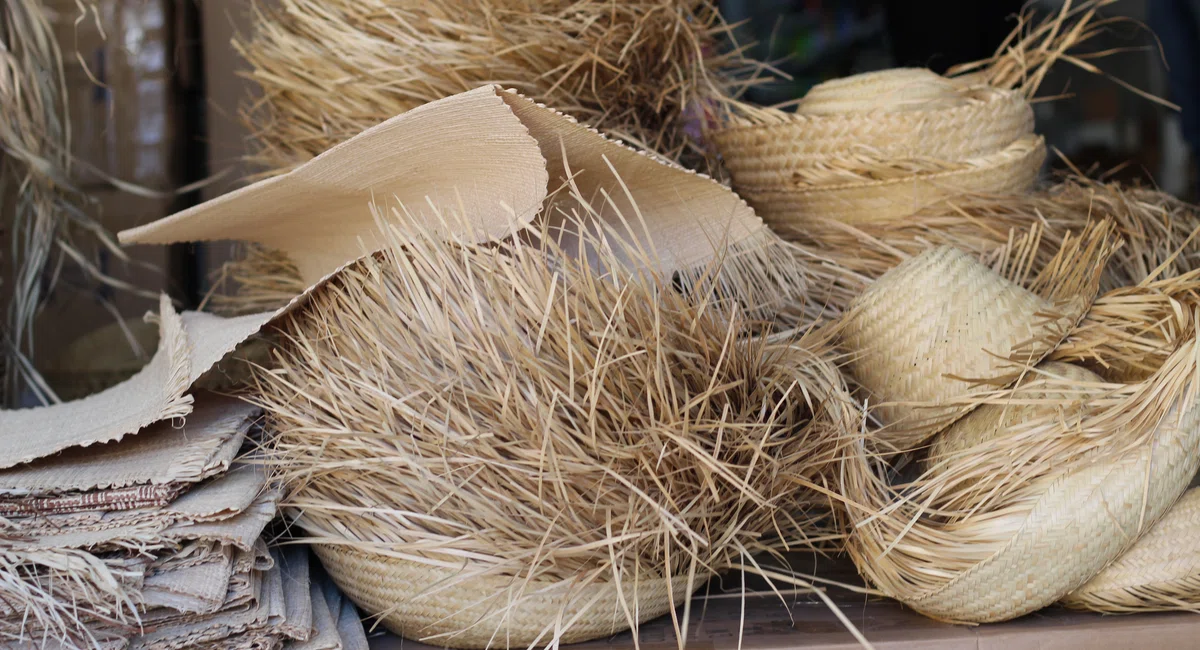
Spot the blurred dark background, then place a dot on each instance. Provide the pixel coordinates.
(1100, 127)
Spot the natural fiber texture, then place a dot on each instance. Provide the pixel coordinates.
(1042, 503)
(882, 154)
(503, 412)
(1157, 230)
(434, 605)
(985, 423)
(1161, 572)
(888, 190)
(942, 326)
(638, 70)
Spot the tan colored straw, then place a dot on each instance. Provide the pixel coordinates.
(1161, 572)
(1012, 170)
(1041, 486)
(940, 327)
(760, 155)
(441, 606)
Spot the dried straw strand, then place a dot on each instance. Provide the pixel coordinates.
(506, 411)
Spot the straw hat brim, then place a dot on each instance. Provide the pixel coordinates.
(426, 603)
(1161, 572)
(759, 155)
(1084, 519)
(1011, 171)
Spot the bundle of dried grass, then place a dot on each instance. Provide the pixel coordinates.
(1159, 232)
(496, 445)
(1012, 513)
(641, 71)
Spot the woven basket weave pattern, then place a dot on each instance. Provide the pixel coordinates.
(418, 601)
(930, 323)
(1085, 519)
(1161, 572)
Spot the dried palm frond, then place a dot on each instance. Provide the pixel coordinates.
(641, 71)
(39, 203)
(262, 279)
(66, 595)
(507, 411)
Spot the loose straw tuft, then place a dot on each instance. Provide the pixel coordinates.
(506, 411)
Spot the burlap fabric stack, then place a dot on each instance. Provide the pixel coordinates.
(529, 318)
(871, 169)
(130, 522)
(1051, 430)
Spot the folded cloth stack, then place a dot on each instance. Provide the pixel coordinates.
(153, 542)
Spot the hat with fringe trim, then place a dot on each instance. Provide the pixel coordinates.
(942, 326)
(1039, 487)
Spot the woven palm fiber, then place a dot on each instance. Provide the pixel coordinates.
(1075, 524)
(1018, 510)
(761, 155)
(1161, 572)
(786, 206)
(439, 606)
(936, 328)
(895, 90)
(983, 424)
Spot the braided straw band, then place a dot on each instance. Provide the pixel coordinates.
(1082, 519)
(932, 330)
(1013, 170)
(441, 606)
(760, 155)
(1161, 572)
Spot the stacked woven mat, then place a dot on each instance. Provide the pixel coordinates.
(168, 526)
(134, 518)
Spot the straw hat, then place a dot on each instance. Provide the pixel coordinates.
(1161, 572)
(440, 606)
(880, 146)
(941, 327)
(1034, 489)
(484, 440)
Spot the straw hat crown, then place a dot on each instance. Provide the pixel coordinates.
(933, 328)
(890, 91)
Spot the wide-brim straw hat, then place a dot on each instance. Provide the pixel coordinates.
(942, 326)
(441, 606)
(1039, 487)
(1161, 572)
(1012, 170)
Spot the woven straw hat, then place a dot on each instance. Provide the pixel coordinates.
(1012, 170)
(101, 358)
(422, 602)
(935, 329)
(1161, 572)
(1031, 491)
(988, 421)
(1081, 520)
(880, 146)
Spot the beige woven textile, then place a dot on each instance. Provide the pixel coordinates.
(440, 607)
(878, 147)
(938, 328)
(1161, 572)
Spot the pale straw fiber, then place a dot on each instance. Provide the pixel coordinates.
(1161, 572)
